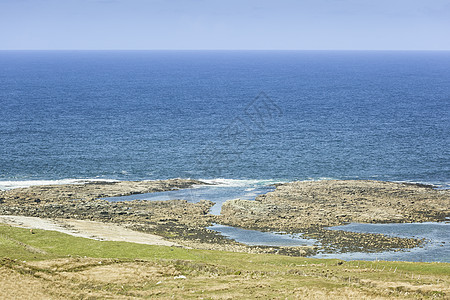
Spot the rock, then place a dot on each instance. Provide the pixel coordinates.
(92, 190)
(335, 202)
(297, 207)
(309, 207)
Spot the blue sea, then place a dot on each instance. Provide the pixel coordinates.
(242, 115)
(240, 119)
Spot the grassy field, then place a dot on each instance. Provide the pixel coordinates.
(52, 265)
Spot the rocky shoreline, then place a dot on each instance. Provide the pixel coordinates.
(304, 204)
(91, 190)
(173, 219)
(312, 206)
(296, 207)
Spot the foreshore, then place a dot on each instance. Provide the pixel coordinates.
(310, 207)
(296, 207)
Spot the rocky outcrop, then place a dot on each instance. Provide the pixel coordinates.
(90, 191)
(177, 220)
(172, 219)
(296, 206)
(311, 207)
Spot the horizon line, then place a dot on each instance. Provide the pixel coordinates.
(324, 50)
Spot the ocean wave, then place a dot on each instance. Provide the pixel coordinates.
(240, 182)
(437, 185)
(250, 184)
(14, 184)
(11, 184)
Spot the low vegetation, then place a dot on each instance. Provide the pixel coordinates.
(47, 264)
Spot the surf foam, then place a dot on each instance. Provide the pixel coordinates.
(9, 185)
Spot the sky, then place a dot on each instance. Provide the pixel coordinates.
(225, 24)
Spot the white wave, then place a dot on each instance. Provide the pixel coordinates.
(319, 178)
(239, 182)
(9, 185)
(437, 184)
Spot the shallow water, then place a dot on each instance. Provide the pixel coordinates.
(436, 249)
(218, 193)
(258, 238)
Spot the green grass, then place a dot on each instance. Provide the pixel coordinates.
(58, 245)
(260, 273)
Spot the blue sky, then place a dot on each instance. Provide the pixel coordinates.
(225, 24)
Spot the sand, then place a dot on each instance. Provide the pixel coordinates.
(87, 229)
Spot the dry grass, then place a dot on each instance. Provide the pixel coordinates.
(89, 278)
(118, 270)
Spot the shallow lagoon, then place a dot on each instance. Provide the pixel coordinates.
(436, 249)
(436, 235)
(258, 238)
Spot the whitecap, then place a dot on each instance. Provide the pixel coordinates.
(240, 182)
(14, 184)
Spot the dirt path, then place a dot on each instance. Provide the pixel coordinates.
(87, 229)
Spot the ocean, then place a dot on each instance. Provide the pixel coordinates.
(229, 115)
(240, 119)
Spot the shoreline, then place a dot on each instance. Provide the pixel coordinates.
(185, 223)
(9, 184)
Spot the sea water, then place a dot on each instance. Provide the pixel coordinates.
(245, 118)
(436, 247)
(133, 115)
